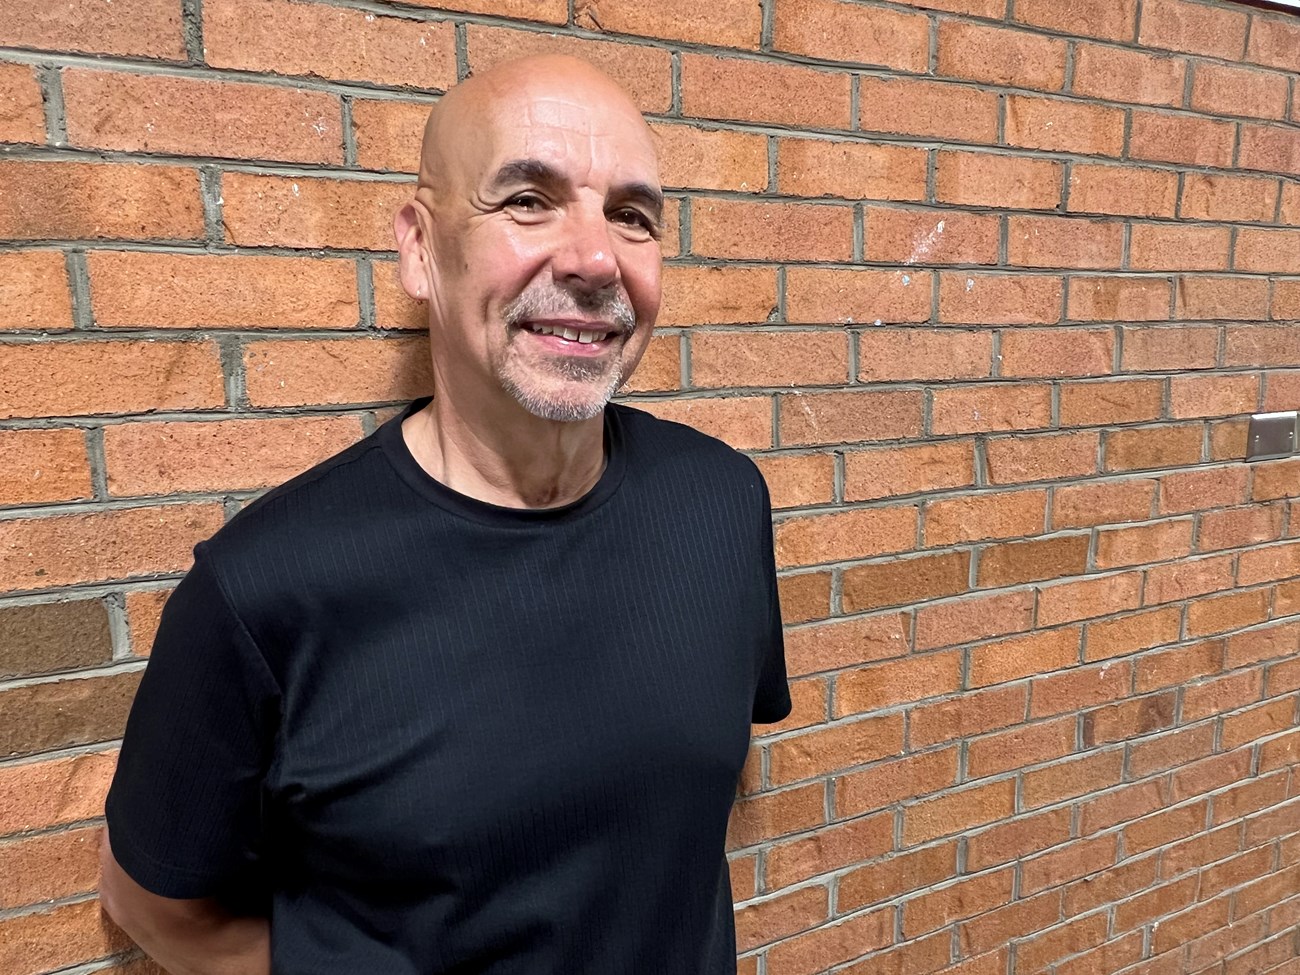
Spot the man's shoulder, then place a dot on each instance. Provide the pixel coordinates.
(675, 448)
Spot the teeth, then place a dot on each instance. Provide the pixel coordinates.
(585, 337)
(570, 333)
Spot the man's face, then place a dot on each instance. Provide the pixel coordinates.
(545, 256)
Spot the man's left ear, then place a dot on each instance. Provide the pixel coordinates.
(412, 258)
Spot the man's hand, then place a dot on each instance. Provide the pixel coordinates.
(186, 937)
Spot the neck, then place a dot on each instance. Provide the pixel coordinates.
(507, 456)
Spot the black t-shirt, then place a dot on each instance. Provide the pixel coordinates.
(431, 735)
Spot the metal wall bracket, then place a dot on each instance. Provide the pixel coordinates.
(1272, 435)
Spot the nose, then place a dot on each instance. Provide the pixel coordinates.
(584, 256)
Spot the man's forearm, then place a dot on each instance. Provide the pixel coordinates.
(185, 937)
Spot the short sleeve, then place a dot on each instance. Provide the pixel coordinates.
(184, 810)
(772, 698)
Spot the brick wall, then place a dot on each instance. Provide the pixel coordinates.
(986, 286)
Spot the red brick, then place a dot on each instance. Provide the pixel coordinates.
(22, 117)
(993, 180)
(931, 237)
(771, 231)
(1064, 242)
(49, 867)
(56, 938)
(969, 714)
(198, 117)
(1132, 632)
(889, 355)
(1026, 656)
(851, 170)
(1079, 859)
(1291, 202)
(1276, 479)
(1101, 503)
(74, 379)
(43, 466)
(1274, 40)
(1028, 745)
(62, 550)
(143, 612)
(1058, 125)
(845, 535)
(1125, 299)
(717, 295)
(773, 814)
(1155, 542)
(902, 581)
(1017, 838)
(806, 596)
(329, 42)
(895, 682)
(827, 418)
(1121, 401)
(815, 753)
(1176, 931)
(1078, 688)
(895, 780)
(1265, 643)
(1076, 936)
(1164, 349)
(644, 72)
(832, 944)
(1187, 855)
(731, 23)
(980, 409)
(367, 370)
(1228, 439)
(1187, 139)
(1129, 719)
(999, 56)
(757, 91)
(711, 158)
(978, 618)
(1270, 148)
(388, 133)
(787, 358)
(744, 422)
(837, 31)
(884, 472)
(1237, 527)
(1218, 196)
(853, 296)
(1067, 602)
(1261, 345)
(954, 812)
(1013, 563)
(1129, 190)
(1112, 886)
(47, 200)
(1268, 251)
(1269, 564)
(936, 109)
(1208, 775)
(808, 707)
(926, 954)
(1135, 448)
(281, 211)
(141, 289)
(1194, 28)
(967, 898)
(1219, 614)
(61, 714)
(1204, 296)
(838, 846)
(989, 299)
(660, 368)
(1214, 487)
(1114, 20)
(1118, 74)
(1213, 395)
(1149, 833)
(1057, 352)
(1280, 752)
(34, 290)
(54, 792)
(1072, 777)
(999, 515)
(1176, 247)
(144, 28)
(1042, 457)
(779, 917)
(1269, 718)
(1187, 579)
(798, 480)
(1223, 90)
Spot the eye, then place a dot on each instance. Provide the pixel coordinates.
(527, 202)
(633, 219)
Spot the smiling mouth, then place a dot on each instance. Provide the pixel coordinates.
(582, 336)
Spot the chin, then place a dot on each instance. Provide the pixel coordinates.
(563, 401)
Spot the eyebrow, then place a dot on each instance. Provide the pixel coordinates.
(537, 171)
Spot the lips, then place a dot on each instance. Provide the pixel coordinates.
(579, 332)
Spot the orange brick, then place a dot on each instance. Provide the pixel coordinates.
(49, 867)
(886, 355)
(1276, 479)
(34, 290)
(1064, 242)
(1269, 564)
(1205, 296)
(1163, 349)
(717, 295)
(1215, 487)
(1072, 777)
(1129, 190)
(22, 117)
(198, 117)
(1188, 139)
(805, 596)
(977, 618)
(281, 211)
(82, 378)
(1187, 579)
(833, 944)
(744, 422)
(732, 23)
(830, 849)
(367, 370)
(828, 418)
(980, 409)
(959, 810)
(1180, 26)
(885, 472)
(1217, 196)
(1043, 457)
(1104, 503)
(1058, 125)
(1111, 886)
(1228, 438)
(970, 714)
(937, 109)
(853, 296)
(1146, 447)
(143, 612)
(1274, 41)
(1000, 56)
(660, 368)
(988, 299)
(1076, 936)
(137, 288)
(1147, 834)
(817, 752)
(847, 32)
(1291, 203)
(1079, 859)
(1057, 352)
(1208, 775)
(1129, 719)
(62, 550)
(145, 28)
(1251, 724)
(1268, 251)
(779, 917)
(1170, 247)
(1014, 563)
(1219, 614)
(644, 72)
(54, 792)
(1017, 838)
(1237, 527)
(846, 643)
(773, 814)
(1265, 643)
(1117, 74)
(1026, 656)
(807, 707)
(1261, 345)
(1070, 601)
(1005, 514)
(992, 180)
(388, 133)
(1113, 21)
(901, 581)
(787, 358)
(56, 938)
(1124, 299)
(43, 466)
(757, 91)
(892, 876)
(845, 535)
(771, 231)
(1120, 401)
(895, 682)
(1213, 395)
(1270, 148)
(851, 170)
(931, 237)
(1079, 687)
(797, 480)
(711, 158)
(1139, 544)
(1224, 90)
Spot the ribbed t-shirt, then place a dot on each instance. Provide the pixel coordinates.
(433, 736)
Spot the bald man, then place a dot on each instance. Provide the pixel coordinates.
(473, 696)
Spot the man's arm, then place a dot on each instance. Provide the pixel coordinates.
(186, 937)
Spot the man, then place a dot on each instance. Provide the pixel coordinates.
(472, 696)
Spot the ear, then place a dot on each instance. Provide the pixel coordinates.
(414, 266)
